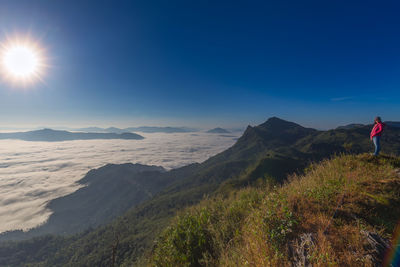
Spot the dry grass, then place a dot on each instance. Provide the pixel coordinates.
(334, 201)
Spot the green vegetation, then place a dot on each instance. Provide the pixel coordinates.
(198, 235)
(335, 200)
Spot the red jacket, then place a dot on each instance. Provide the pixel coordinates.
(377, 130)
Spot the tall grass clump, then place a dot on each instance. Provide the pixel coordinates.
(199, 235)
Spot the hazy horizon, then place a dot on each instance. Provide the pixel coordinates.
(237, 128)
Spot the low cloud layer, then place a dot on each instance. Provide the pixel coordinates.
(32, 173)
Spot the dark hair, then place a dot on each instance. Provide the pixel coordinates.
(378, 119)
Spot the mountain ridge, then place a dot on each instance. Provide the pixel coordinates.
(121, 185)
(218, 130)
(50, 135)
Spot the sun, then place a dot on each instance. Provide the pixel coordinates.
(21, 61)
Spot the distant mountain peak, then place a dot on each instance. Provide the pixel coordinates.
(275, 122)
(274, 118)
(218, 130)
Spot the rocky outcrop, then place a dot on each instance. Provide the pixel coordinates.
(376, 247)
(300, 249)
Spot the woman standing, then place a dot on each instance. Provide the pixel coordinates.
(376, 134)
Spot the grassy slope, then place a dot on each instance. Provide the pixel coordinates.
(253, 226)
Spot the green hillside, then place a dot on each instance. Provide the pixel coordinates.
(337, 203)
(265, 154)
(107, 192)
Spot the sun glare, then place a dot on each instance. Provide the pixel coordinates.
(21, 62)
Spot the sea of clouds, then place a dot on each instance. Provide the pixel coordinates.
(33, 173)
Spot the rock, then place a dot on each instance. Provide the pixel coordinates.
(376, 247)
(299, 250)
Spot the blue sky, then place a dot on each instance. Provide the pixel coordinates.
(206, 63)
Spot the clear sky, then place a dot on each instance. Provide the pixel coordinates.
(206, 63)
